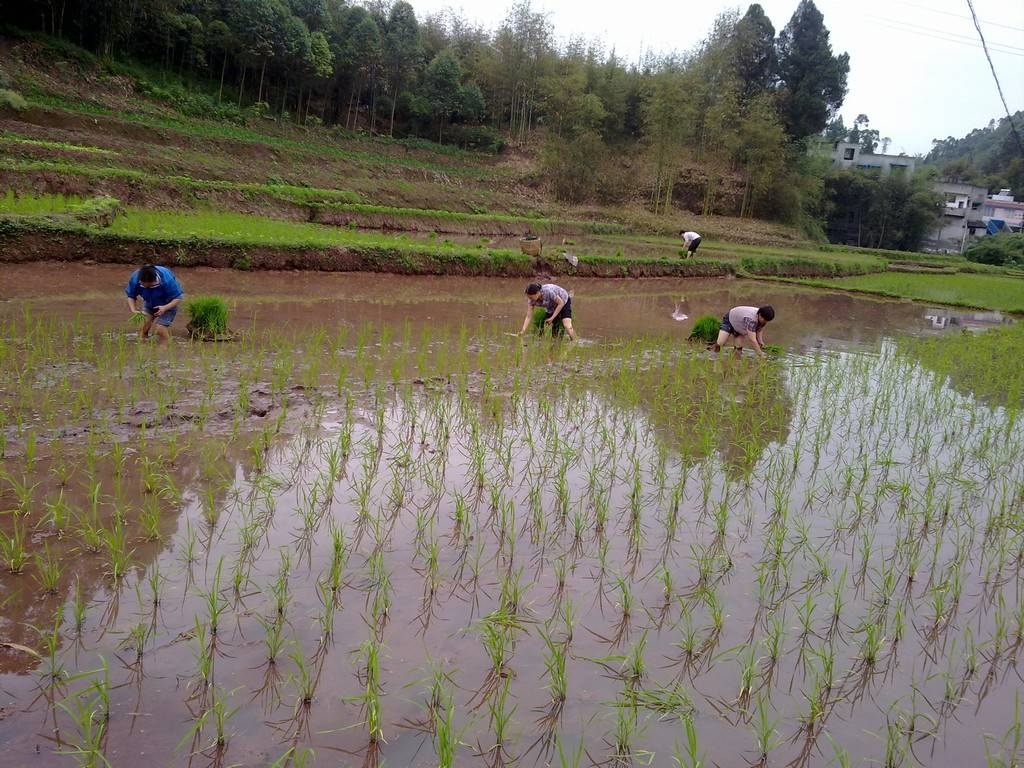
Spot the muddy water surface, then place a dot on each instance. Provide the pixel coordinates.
(806, 319)
(812, 555)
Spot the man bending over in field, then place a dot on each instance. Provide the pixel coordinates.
(555, 300)
(692, 242)
(161, 294)
(745, 324)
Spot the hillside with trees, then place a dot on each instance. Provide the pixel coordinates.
(720, 129)
(989, 157)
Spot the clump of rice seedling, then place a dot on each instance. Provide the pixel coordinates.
(208, 316)
(537, 322)
(705, 329)
(12, 100)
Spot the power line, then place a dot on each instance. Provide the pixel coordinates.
(943, 36)
(1009, 118)
(953, 36)
(957, 15)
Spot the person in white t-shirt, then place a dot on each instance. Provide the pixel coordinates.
(692, 242)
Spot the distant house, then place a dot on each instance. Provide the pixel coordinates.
(961, 219)
(966, 213)
(1002, 207)
(848, 155)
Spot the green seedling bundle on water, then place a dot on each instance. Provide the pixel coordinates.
(674, 560)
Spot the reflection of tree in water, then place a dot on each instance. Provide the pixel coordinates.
(697, 406)
(988, 366)
(27, 610)
(760, 411)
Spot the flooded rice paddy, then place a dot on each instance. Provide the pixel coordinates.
(376, 530)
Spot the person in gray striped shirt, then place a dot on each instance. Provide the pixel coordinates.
(745, 324)
(555, 300)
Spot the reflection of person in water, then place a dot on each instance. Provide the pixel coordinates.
(678, 313)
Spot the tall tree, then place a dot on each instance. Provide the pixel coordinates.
(402, 51)
(753, 47)
(813, 81)
(667, 119)
(440, 95)
(364, 51)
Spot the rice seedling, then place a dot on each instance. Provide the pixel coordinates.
(87, 742)
(692, 757)
(119, 557)
(215, 603)
(370, 699)
(79, 608)
(48, 571)
(12, 548)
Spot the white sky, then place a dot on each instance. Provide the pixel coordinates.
(916, 66)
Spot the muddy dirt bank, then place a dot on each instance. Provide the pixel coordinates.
(19, 246)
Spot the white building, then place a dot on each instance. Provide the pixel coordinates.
(845, 154)
(961, 219)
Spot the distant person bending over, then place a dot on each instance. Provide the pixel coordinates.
(161, 294)
(556, 302)
(692, 242)
(745, 324)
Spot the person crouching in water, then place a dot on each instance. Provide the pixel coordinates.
(744, 324)
(161, 293)
(556, 302)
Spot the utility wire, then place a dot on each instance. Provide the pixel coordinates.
(911, 26)
(1009, 118)
(957, 15)
(946, 37)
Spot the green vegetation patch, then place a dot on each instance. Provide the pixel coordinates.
(809, 266)
(988, 365)
(207, 315)
(1001, 250)
(706, 329)
(63, 146)
(287, 192)
(1000, 292)
(87, 210)
(12, 100)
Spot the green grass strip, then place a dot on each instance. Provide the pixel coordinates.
(13, 138)
(286, 192)
(998, 292)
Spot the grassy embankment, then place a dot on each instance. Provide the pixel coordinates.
(997, 290)
(41, 228)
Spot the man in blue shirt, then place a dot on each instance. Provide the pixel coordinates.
(161, 294)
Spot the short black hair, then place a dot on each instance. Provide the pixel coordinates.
(767, 312)
(148, 274)
(532, 288)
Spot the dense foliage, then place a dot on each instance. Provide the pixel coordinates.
(988, 157)
(1001, 250)
(891, 212)
(716, 129)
